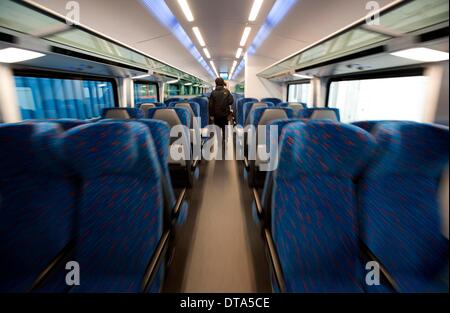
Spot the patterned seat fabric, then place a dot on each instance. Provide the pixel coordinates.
(369, 125)
(66, 123)
(133, 113)
(169, 100)
(329, 113)
(274, 101)
(38, 198)
(314, 223)
(121, 207)
(268, 182)
(204, 110)
(398, 199)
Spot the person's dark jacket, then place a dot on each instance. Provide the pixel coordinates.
(220, 102)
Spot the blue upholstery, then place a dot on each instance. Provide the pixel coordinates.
(240, 109)
(268, 183)
(194, 106)
(274, 101)
(120, 211)
(398, 198)
(204, 110)
(183, 114)
(256, 114)
(370, 125)
(314, 223)
(246, 109)
(38, 197)
(169, 100)
(134, 113)
(308, 112)
(66, 123)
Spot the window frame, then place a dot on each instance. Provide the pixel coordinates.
(297, 82)
(70, 76)
(378, 74)
(149, 83)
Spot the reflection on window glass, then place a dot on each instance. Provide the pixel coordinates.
(48, 98)
(145, 93)
(400, 98)
(299, 93)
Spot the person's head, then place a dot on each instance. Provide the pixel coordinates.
(220, 82)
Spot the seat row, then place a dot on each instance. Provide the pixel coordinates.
(342, 197)
(98, 194)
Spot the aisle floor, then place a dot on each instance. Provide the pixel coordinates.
(220, 247)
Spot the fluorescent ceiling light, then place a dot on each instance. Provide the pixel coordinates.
(255, 10)
(422, 54)
(245, 35)
(140, 76)
(238, 53)
(186, 10)
(303, 76)
(199, 36)
(14, 55)
(173, 81)
(207, 54)
(188, 84)
(214, 68)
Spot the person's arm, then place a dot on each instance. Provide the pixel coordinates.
(211, 108)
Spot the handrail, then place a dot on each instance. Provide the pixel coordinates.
(177, 207)
(155, 261)
(259, 207)
(52, 265)
(275, 261)
(384, 272)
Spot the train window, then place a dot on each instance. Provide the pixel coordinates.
(46, 97)
(299, 93)
(145, 92)
(398, 98)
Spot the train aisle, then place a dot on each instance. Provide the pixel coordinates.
(222, 250)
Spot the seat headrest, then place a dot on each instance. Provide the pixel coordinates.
(30, 147)
(122, 113)
(410, 148)
(324, 147)
(173, 116)
(320, 114)
(263, 116)
(110, 148)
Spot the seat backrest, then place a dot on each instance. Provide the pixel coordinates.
(370, 125)
(263, 116)
(398, 199)
(274, 101)
(295, 106)
(255, 106)
(247, 107)
(65, 123)
(320, 114)
(204, 110)
(38, 200)
(173, 116)
(240, 109)
(314, 213)
(146, 106)
(122, 113)
(121, 207)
